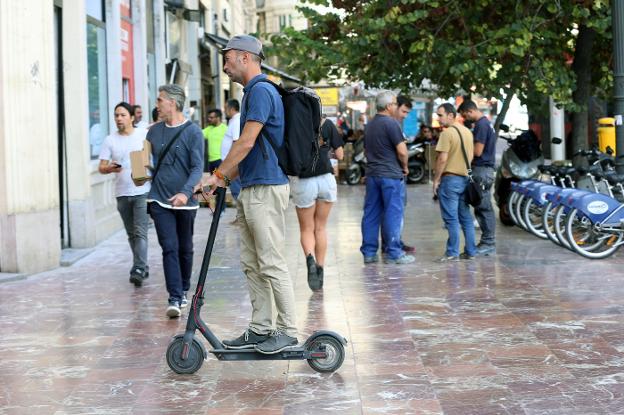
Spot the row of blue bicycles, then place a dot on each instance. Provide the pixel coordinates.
(580, 209)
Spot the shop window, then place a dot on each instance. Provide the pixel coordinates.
(97, 85)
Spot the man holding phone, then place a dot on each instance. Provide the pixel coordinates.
(131, 199)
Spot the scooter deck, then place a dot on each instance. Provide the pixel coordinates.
(291, 353)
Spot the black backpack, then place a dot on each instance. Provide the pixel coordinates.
(299, 154)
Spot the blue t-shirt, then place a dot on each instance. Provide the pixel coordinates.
(484, 133)
(264, 105)
(381, 136)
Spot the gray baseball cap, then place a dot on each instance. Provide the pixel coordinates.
(245, 43)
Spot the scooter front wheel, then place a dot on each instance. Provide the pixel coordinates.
(334, 350)
(189, 365)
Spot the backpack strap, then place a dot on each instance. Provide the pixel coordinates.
(281, 91)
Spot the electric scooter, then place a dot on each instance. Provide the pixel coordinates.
(324, 350)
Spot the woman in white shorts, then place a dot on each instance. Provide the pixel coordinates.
(313, 196)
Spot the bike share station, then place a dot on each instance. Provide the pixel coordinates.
(324, 350)
(578, 208)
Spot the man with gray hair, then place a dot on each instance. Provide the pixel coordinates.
(386, 155)
(178, 153)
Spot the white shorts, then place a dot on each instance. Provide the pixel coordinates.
(305, 192)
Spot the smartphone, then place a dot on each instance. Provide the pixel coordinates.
(116, 165)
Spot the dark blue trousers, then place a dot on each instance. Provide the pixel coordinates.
(174, 228)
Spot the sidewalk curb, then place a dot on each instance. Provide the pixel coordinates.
(9, 277)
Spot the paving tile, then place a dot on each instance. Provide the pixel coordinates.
(533, 330)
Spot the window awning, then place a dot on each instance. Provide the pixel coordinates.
(219, 42)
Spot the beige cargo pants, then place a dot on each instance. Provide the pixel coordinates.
(261, 218)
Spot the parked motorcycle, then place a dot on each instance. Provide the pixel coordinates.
(355, 171)
(416, 162)
(520, 161)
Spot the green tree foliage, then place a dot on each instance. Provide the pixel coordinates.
(482, 46)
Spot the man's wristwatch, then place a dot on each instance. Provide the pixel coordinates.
(222, 176)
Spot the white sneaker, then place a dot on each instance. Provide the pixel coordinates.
(173, 310)
(184, 301)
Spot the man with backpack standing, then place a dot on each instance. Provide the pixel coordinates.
(386, 155)
(262, 202)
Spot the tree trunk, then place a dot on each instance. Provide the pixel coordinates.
(509, 93)
(582, 69)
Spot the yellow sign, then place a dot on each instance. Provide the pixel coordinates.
(329, 96)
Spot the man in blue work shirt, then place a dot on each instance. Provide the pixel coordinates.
(262, 201)
(483, 173)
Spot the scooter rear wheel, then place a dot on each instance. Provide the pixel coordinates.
(192, 363)
(335, 354)
(353, 175)
(416, 173)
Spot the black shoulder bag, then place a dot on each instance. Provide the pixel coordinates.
(473, 194)
(163, 153)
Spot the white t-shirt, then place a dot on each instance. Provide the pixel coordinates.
(231, 134)
(118, 147)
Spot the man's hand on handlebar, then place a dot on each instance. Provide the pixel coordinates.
(208, 185)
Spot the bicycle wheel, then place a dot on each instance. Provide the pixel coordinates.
(548, 222)
(518, 211)
(559, 225)
(532, 214)
(511, 206)
(586, 240)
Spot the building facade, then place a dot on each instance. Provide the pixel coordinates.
(64, 65)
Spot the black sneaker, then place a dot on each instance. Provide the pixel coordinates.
(277, 342)
(136, 277)
(173, 310)
(247, 340)
(320, 276)
(313, 280)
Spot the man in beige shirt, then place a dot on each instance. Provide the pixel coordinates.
(450, 182)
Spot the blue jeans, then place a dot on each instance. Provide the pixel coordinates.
(383, 204)
(174, 228)
(133, 211)
(455, 213)
(404, 198)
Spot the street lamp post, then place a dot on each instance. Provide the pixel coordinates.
(617, 13)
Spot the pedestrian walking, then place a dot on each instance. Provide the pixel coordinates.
(386, 155)
(262, 202)
(232, 111)
(483, 173)
(138, 117)
(449, 184)
(313, 197)
(214, 133)
(131, 199)
(178, 152)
